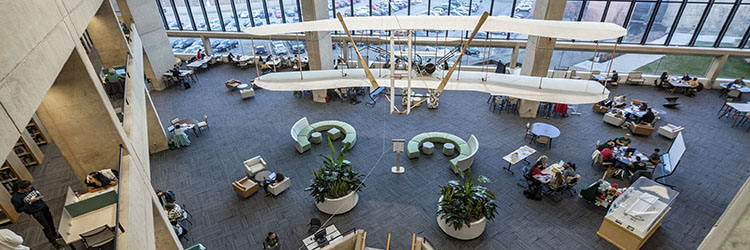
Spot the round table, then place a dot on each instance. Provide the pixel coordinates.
(448, 149)
(428, 148)
(316, 137)
(544, 129)
(262, 175)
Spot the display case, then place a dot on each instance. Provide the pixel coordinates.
(636, 214)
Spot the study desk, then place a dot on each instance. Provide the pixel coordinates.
(741, 109)
(71, 227)
(331, 233)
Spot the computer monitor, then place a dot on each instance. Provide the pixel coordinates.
(629, 151)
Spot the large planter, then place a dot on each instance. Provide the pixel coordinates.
(465, 233)
(342, 204)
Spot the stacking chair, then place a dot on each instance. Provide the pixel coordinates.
(528, 132)
(204, 123)
(100, 238)
(635, 78)
(545, 140)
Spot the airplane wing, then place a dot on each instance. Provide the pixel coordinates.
(546, 28)
(553, 90)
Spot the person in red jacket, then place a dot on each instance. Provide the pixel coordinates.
(200, 54)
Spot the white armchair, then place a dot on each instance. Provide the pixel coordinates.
(255, 165)
(670, 130)
(277, 188)
(612, 119)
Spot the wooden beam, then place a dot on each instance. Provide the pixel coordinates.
(361, 60)
(466, 45)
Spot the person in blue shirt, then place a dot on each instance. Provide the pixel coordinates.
(28, 200)
(686, 77)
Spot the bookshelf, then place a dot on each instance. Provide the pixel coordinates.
(36, 131)
(27, 150)
(11, 171)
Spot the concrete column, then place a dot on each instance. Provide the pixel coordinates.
(207, 45)
(713, 71)
(106, 34)
(157, 138)
(80, 118)
(319, 50)
(539, 50)
(514, 57)
(158, 53)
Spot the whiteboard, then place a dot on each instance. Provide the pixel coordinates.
(676, 151)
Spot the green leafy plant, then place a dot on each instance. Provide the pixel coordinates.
(467, 202)
(334, 179)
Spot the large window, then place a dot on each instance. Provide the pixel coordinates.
(713, 24)
(738, 27)
(720, 23)
(638, 22)
(689, 21)
(662, 23)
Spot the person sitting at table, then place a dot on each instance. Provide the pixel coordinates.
(271, 242)
(655, 157)
(232, 83)
(180, 137)
(275, 178)
(664, 78)
(620, 101)
(694, 87)
(646, 118)
(536, 170)
(200, 54)
(608, 144)
(569, 170)
(541, 161)
(686, 77)
(607, 156)
(101, 179)
(165, 197)
(615, 77)
(739, 82)
(175, 214)
(230, 57)
(634, 166)
(623, 140)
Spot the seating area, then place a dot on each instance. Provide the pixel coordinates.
(302, 130)
(466, 150)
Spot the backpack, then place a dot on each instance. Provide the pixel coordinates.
(169, 196)
(534, 192)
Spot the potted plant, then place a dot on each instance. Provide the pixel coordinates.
(463, 209)
(335, 184)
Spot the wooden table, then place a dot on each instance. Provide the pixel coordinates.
(740, 110)
(517, 156)
(619, 154)
(550, 171)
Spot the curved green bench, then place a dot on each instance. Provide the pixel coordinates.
(301, 132)
(466, 150)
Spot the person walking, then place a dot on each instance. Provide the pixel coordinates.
(28, 200)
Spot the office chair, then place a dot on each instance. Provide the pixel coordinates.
(314, 225)
(100, 238)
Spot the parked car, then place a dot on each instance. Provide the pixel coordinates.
(261, 50)
(186, 43)
(471, 51)
(293, 47)
(279, 48)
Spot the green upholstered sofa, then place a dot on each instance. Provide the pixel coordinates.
(466, 150)
(301, 131)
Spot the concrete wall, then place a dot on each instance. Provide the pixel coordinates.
(159, 57)
(43, 36)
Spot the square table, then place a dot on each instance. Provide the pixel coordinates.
(517, 156)
(740, 108)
